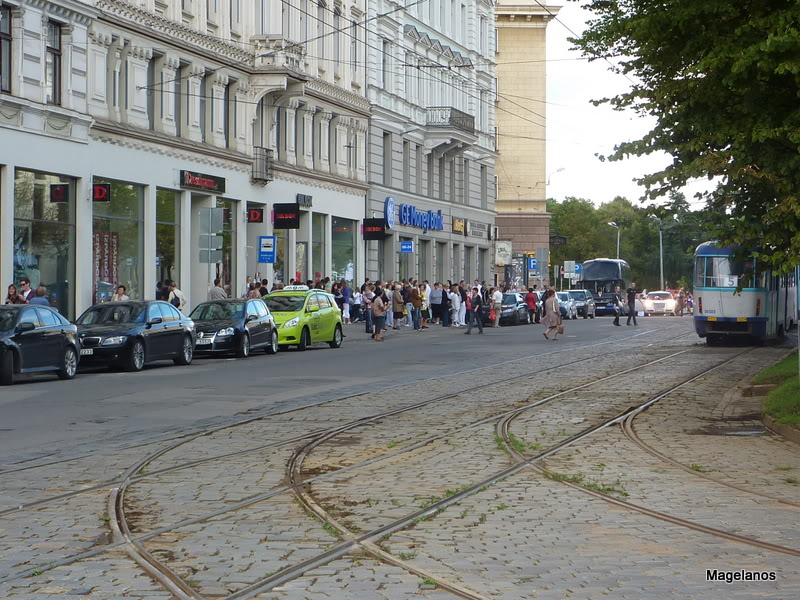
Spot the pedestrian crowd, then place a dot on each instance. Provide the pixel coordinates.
(25, 294)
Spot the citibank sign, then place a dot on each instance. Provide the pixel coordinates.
(410, 216)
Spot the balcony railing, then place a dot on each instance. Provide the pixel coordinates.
(447, 116)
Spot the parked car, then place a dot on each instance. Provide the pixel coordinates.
(130, 334)
(234, 325)
(584, 302)
(659, 303)
(36, 339)
(514, 310)
(567, 303)
(304, 317)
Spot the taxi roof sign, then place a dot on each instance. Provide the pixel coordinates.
(295, 288)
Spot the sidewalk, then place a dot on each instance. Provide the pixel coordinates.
(357, 332)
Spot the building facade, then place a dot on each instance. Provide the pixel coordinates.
(123, 122)
(431, 143)
(522, 216)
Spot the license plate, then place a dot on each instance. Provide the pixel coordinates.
(203, 342)
(87, 351)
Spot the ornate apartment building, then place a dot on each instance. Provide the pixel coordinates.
(432, 146)
(121, 122)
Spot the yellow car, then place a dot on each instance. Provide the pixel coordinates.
(304, 317)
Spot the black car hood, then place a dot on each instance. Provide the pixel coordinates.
(106, 330)
(214, 324)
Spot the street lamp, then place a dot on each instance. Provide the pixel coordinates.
(660, 248)
(615, 226)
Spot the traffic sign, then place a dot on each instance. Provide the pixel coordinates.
(532, 264)
(406, 247)
(266, 248)
(578, 268)
(569, 266)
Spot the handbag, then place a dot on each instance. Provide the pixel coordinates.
(492, 315)
(560, 329)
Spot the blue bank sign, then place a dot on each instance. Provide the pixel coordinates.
(410, 216)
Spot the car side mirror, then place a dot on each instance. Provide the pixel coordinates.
(312, 309)
(155, 321)
(23, 327)
(249, 318)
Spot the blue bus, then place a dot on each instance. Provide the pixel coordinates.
(600, 276)
(765, 309)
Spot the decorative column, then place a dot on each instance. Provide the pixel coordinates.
(165, 95)
(194, 89)
(241, 135)
(324, 142)
(149, 234)
(215, 107)
(361, 151)
(291, 130)
(307, 158)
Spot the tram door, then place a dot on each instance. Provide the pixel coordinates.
(773, 304)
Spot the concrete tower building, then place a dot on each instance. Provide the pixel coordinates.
(521, 124)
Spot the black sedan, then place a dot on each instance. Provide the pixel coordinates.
(235, 325)
(36, 339)
(514, 310)
(129, 334)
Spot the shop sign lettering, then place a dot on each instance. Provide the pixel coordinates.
(427, 221)
(200, 181)
(459, 226)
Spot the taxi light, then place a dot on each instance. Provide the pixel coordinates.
(758, 307)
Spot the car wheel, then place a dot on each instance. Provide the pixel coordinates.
(69, 364)
(187, 353)
(336, 342)
(136, 357)
(7, 368)
(305, 340)
(243, 351)
(272, 347)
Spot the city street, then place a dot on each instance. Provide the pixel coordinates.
(619, 462)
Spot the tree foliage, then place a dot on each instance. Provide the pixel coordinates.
(589, 235)
(721, 78)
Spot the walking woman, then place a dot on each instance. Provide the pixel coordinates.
(423, 293)
(552, 315)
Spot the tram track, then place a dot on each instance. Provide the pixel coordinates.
(368, 541)
(183, 440)
(130, 477)
(131, 474)
(503, 430)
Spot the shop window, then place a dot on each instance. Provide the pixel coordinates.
(406, 166)
(52, 72)
(442, 170)
(468, 273)
(226, 269)
(281, 242)
(167, 236)
(481, 264)
(343, 249)
(387, 158)
(44, 235)
(117, 242)
(5, 49)
(465, 184)
(484, 186)
(318, 246)
(422, 260)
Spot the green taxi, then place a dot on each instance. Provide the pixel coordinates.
(304, 317)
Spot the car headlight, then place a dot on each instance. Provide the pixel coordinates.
(114, 340)
(227, 332)
(291, 322)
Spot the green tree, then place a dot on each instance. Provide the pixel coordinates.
(721, 78)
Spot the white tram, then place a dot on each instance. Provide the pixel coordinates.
(764, 311)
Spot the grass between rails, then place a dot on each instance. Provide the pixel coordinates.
(782, 403)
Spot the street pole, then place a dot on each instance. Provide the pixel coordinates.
(617, 243)
(661, 252)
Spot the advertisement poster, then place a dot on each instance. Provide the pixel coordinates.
(106, 264)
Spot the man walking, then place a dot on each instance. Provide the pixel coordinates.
(476, 311)
(631, 297)
(617, 301)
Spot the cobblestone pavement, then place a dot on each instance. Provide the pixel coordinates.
(525, 537)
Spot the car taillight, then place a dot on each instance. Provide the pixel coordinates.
(700, 305)
(758, 307)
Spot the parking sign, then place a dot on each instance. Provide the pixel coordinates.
(532, 264)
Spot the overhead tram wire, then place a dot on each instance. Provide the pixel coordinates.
(443, 82)
(568, 28)
(308, 41)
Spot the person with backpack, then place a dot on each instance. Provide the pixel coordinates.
(176, 297)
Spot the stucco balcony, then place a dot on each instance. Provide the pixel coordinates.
(450, 118)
